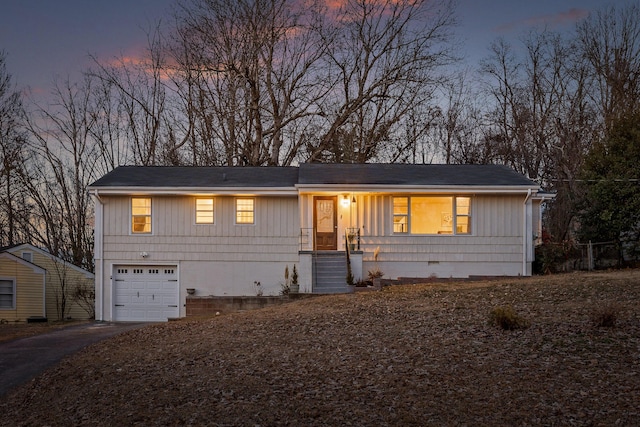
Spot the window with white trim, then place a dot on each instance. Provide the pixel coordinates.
(27, 256)
(141, 215)
(432, 215)
(7, 294)
(245, 210)
(205, 210)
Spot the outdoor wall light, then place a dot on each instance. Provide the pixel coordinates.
(345, 201)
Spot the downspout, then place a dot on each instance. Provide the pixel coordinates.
(524, 233)
(98, 249)
(44, 294)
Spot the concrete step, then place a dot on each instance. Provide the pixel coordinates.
(330, 273)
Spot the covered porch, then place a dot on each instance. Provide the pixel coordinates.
(330, 242)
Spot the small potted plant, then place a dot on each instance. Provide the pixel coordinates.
(350, 237)
(294, 287)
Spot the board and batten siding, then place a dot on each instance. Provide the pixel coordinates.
(223, 258)
(494, 245)
(29, 289)
(176, 236)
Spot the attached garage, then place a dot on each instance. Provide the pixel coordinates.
(145, 293)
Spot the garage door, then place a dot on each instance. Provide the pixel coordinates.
(145, 293)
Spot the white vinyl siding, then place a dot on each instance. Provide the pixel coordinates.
(223, 258)
(496, 221)
(274, 235)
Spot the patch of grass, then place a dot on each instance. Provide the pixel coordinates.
(506, 318)
(605, 315)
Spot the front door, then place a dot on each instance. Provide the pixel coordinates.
(325, 219)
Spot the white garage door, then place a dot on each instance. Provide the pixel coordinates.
(145, 293)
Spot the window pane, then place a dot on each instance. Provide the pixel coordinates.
(204, 218)
(204, 211)
(431, 215)
(6, 287)
(400, 205)
(244, 211)
(462, 205)
(462, 225)
(6, 301)
(142, 224)
(141, 206)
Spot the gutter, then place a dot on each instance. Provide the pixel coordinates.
(525, 239)
(412, 189)
(44, 294)
(196, 191)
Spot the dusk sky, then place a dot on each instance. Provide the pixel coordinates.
(48, 39)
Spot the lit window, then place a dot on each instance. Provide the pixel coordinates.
(432, 215)
(463, 215)
(204, 211)
(7, 294)
(400, 214)
(245, 211)
(141, 214)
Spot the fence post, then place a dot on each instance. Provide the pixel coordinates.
(590, 256)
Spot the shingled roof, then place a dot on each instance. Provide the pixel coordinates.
(312, 174)
(198, 177)
(410, 174)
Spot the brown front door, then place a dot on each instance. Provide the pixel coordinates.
(325, 220)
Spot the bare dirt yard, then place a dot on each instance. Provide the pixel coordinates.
(407, 355)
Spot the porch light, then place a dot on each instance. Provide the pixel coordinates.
(345, 201)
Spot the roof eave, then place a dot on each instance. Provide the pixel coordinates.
(191, 191)
(475, 189)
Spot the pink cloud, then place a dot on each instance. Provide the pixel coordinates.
(566, 17)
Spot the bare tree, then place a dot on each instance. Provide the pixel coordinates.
(542, 122)
(248, 76)
(142, 102)
(63, 163)
(384, 59)
(609, 42)
(108, 129)
(13, 203)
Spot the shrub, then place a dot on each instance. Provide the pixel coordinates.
(605, 315)
(375, 274)
(85, 296)
(507, 318)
